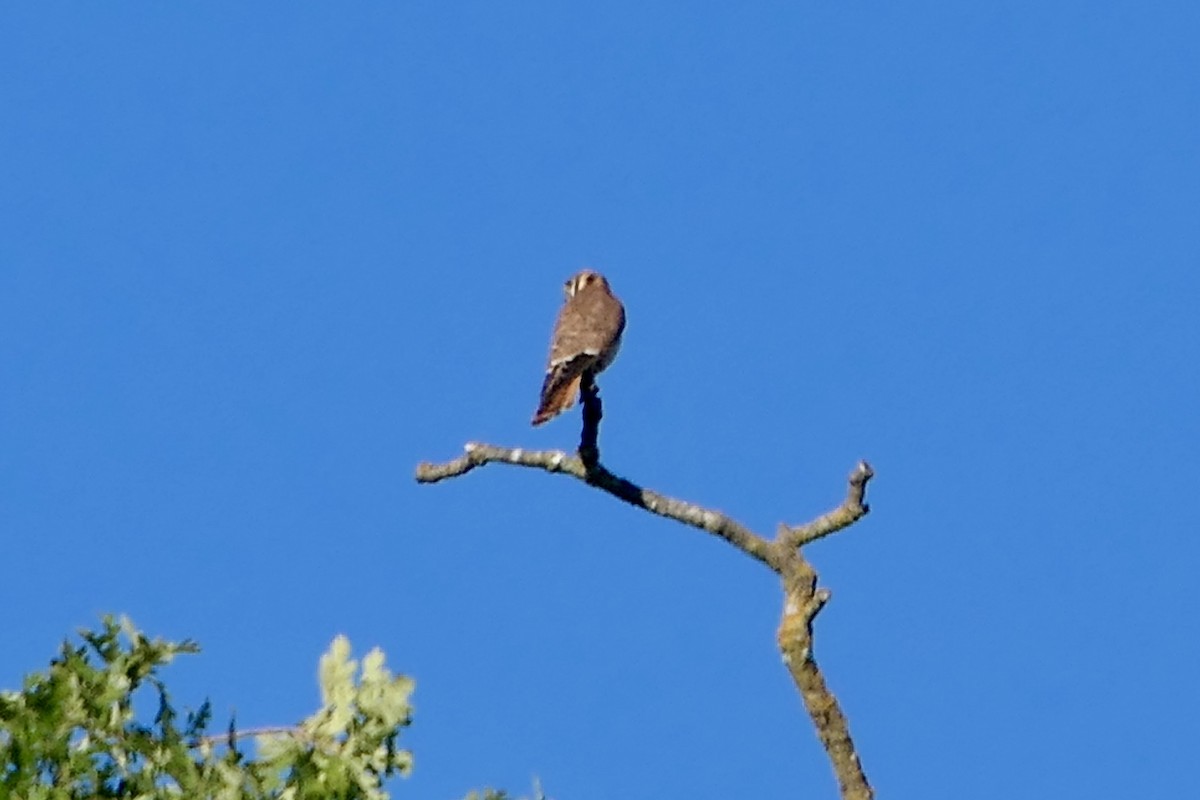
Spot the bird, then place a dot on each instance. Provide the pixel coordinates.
(587, 335)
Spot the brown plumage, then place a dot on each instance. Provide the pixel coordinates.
(586, 338)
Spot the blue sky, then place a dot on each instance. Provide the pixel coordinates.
(257, 261)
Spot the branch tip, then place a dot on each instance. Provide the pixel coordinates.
(852, 509)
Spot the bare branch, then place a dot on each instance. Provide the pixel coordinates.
(802, 599)
(801, 603)
(477, 455)
(557, 461)
(715, 522)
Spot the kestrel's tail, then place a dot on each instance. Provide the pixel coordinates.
(558, 394)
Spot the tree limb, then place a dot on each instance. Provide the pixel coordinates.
(802, 599)
(801, 604)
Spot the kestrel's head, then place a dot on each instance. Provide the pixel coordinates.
(583, 279)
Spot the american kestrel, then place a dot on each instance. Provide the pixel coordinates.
(586, 337)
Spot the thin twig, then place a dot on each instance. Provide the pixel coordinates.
(852, 509)
(246, 733)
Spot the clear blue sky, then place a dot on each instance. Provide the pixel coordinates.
(257, 262)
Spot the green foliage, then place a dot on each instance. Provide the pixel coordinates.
(349, 745)
(494, 794)
(72, 732)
